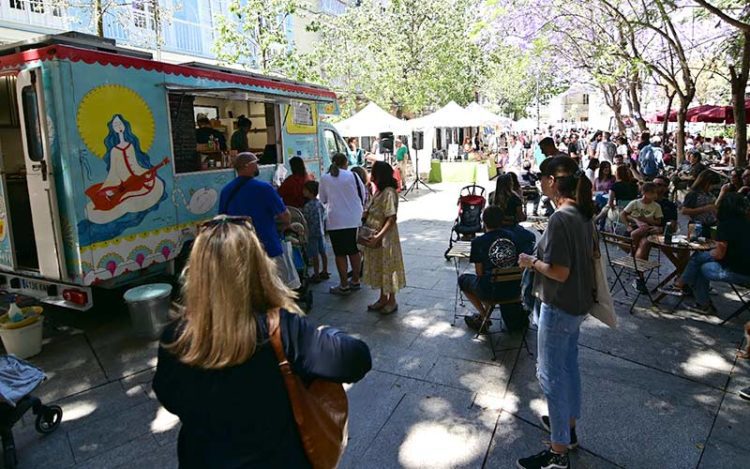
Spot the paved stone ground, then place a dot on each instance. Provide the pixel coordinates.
(659, 392)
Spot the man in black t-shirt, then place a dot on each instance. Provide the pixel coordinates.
(497, 248)
(204, 132)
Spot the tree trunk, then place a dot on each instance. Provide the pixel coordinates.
(620, 123)
(680, 135)
(665, 124)
(99, 18)
(739, 84)
(635, 104)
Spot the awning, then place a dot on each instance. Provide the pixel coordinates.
(240, 94)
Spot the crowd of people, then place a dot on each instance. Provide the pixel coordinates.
(237, 275)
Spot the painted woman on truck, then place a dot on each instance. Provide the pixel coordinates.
(131, 189)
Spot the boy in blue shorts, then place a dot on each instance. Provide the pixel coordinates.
(315, 215)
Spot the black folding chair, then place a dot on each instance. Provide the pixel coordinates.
(745, 303)
(642, 269)
(503, 276)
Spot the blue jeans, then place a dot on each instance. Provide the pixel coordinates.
(557, 368)
(703, 268)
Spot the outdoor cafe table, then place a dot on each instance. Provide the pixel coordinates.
(678, 254)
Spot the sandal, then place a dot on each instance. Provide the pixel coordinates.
(338, 290)
(389, 310)
(315, 278)
(355, 286)
(324, 275)
(672, 290)
(377, 306)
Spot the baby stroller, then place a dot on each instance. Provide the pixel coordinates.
(297, 234)
(17, 380)
(471, 202)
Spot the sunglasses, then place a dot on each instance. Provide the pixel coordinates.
(247, 222)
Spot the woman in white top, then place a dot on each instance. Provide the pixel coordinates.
(343, 195)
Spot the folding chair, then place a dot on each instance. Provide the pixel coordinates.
(503, 276)
(642, 269)
(745, 303)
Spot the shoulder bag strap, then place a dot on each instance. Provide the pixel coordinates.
(359, 191)
(274, 334)
(233, 194)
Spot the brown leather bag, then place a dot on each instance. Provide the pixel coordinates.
(320, 409)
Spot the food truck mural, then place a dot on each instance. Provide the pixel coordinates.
(105, 163)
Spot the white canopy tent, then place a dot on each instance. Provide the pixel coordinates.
(371, 121)
(450, 115)
(482, 116)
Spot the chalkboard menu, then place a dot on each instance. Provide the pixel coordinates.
(186, 158)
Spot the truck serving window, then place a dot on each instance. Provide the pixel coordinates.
(209, 128)
(32, 122)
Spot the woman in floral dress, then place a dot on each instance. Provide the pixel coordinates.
(384, 265)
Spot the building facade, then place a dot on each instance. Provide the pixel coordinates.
(178, 31)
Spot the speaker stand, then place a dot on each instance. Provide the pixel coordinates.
(417, 178)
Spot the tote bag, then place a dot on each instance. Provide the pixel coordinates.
(604, 307)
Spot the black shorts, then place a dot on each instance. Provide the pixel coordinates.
(470, 283)
(344, 242)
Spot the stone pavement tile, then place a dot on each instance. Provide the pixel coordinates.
(636, 416)
(127, 355)
(105, 402)
(165, 427)
(35, 450)
(142, 451)
(70, 365)
(459, 342)
(413, 317)
(371, 402)
(104, 435)
(377, 337)
(693, 349)
(489, 379)
(514, 439)
(142, 380)
(431, 431)
(728, 445)
(402, 361)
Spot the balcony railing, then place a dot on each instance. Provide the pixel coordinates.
(44, 13)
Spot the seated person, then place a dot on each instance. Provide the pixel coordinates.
(729, 261)
(668, 208)
(734, 184)
(643, 216)
(694, 170)
(700, 204)
(506, 197)
(745, 189)
(204, 132)
(727, 158)
(497, 248)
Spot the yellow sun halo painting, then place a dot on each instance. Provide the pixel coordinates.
(98, 107)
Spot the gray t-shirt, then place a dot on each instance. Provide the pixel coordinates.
(569, 242)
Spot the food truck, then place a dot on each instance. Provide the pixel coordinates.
(102, 180)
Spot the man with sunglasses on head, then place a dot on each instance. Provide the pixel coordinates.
(249, 197)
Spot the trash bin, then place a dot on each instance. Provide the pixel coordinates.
(23, 339)
(148, 306)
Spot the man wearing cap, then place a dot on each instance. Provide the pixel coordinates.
(650, 159)
(247, 196)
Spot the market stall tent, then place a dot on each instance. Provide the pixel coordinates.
(371, 121)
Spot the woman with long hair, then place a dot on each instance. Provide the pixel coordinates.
(291, 189)
(384, 264)
(507, 199)
(605, 179)
(624, 189)
(699, 203)
(591, 169)
(217, 370)
(729, 261)
(343, 195)
(564, 284)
